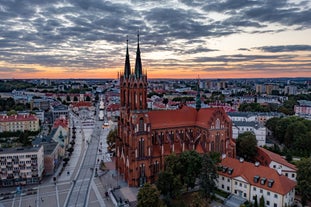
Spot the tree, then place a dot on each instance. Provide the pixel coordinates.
(208, 177)
(87, 98)
(304, 179)
(197, 201)
(190, 165)
(68, 98)
(165, 101)
(111, 138)
(148, 195)
(262, 201)
(169, 184)
(246, 146)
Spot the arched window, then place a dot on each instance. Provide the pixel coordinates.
(217, 124)
(141, 151)
(217, 140)
(141, 125)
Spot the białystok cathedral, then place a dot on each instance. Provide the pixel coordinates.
(146, 137)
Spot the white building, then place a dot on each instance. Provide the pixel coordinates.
(250, 181)
(260, 131)
(275, 161)
(21, 166)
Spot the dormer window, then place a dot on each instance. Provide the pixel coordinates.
(270, 183)
(263, 181)
(224, 169)
(230, 171)
(256, 178)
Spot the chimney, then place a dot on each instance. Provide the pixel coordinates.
(241, 159)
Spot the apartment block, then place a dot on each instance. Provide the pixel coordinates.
(21, 166)
(19, 122)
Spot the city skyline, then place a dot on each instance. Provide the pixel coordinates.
(178, 38)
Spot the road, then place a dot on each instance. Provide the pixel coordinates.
(76, 185)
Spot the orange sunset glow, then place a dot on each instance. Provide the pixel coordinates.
(178, 39)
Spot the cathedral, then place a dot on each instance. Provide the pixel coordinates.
(146, 137)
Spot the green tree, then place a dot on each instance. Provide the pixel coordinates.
(197, 201)
(87, 98)
(304, 179)
(169, 184)
(262, 201)
(148, 195)
(111, 138)
(165, 101)
(208, 177)
(246, 146)
(190, 165)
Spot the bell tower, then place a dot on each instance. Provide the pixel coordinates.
(133, 143)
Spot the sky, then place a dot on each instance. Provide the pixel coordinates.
(61, 39)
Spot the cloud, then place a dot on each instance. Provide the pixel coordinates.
(285, 48)
(92, 34)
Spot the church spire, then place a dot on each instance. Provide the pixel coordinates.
(138, 65)
(198, 98)
(127, 66)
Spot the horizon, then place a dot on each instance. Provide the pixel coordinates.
(178, 39)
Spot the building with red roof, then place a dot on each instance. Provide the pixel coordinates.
(19, 122)
(277, 162)
(147, 137)
(251, 181)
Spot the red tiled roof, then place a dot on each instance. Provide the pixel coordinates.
(271, 156)
(60, 122)
(186, 116)
(82, 104)
(12, 118)
(282, 184)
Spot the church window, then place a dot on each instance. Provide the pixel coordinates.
(141, 124)
(217, 123)
(141, 144)
(212, 147)
(217, 140)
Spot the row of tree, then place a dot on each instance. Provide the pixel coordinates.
(181, 173)
(294, 132)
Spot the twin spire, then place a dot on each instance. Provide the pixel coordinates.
(138, 72)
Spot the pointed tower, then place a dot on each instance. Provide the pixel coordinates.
(198, 98)
(138, 66)
(127, 66)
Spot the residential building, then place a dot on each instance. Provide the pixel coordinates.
(251, 181)
(275, 161)
(21, 166)
(259, 130)
(19, 122)
(147, 137)
(303, 109)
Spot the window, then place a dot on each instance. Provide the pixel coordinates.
(268, 193)
(254, 188)
(293, 175)
(268, 203)
(275, 195)
(222, 186)
(222, 178)
(244, 195)
(141, 124)
(228, 180)
(235, 182)
(141, 150)
(240, 184)
(260, 190)
(228, 188)
(275, 205)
